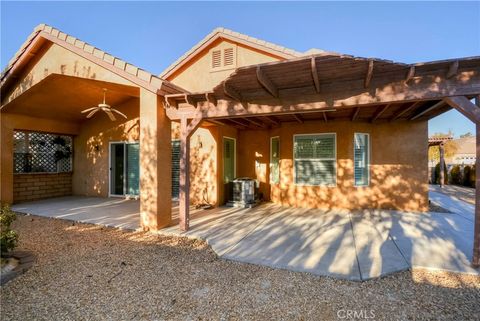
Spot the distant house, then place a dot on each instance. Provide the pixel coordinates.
(465, 154)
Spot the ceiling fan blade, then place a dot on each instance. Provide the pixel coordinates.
(118, 112)
(92, 112)
(88, 109)
(110, 115)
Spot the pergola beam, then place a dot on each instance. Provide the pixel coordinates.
(453, 69)
(298, 118)
(210, 97)
(465, 107)
(325, 117)
(271, 120)
(423, 112)
(368, 77)
(231, 92)
(379, 113)
(266, 82)
(406, 110)
(236, 121)
(410, 74)
(355, 113)
(254, 122)
(316, 81)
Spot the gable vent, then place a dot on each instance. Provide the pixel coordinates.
(216, 58)
(228, 57)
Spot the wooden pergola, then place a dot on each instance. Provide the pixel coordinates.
(330, 87)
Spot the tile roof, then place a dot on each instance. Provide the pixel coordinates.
(53, 34)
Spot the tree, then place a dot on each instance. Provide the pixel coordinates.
(469, 134)
(450, 147)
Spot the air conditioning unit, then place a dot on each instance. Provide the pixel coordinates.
(244, 192)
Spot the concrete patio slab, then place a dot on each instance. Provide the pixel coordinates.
(355, 246)
(113, 212)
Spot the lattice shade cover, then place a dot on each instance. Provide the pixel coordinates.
(36, 152)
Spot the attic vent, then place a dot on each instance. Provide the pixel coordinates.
(216, 58)
(228, 57)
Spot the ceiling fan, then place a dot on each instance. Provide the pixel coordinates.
(104, 107)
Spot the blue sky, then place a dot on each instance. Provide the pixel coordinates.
(151, 35)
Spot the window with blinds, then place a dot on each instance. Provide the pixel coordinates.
(274, 160)
(361, 152)
(315, 159)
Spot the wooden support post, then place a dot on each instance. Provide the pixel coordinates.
(186, 131)
(476, 229)
(442, 164)
(472, 112)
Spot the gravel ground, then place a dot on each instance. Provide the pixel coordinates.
(86, 272)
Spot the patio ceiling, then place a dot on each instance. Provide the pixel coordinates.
(64, 97)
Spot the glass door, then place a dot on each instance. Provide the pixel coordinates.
(124, 169)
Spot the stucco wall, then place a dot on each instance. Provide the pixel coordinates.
(91, 164)
(399, 173)
(197, 75)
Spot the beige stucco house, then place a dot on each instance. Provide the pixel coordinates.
(316, 129)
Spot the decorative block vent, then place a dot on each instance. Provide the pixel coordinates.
(36, 152)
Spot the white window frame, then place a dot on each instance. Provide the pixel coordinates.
(369, 155)
(271, 145)
(334, 159)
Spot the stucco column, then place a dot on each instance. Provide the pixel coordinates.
(6, 161)
(155, 163)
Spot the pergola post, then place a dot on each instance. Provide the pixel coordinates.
(186, 131)
(155, 163)
(472, 112)
(442, 164)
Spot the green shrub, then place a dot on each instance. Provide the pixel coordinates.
(456, 175)
(437, 173)
(466, 176)
(472, 177)
(8, 237)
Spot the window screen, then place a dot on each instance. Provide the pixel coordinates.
(315, 159)
(274, 160)
(361, 159)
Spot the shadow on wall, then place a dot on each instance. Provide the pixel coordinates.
(391, 187)
(91, 148)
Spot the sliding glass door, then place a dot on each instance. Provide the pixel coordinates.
(124, 169)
